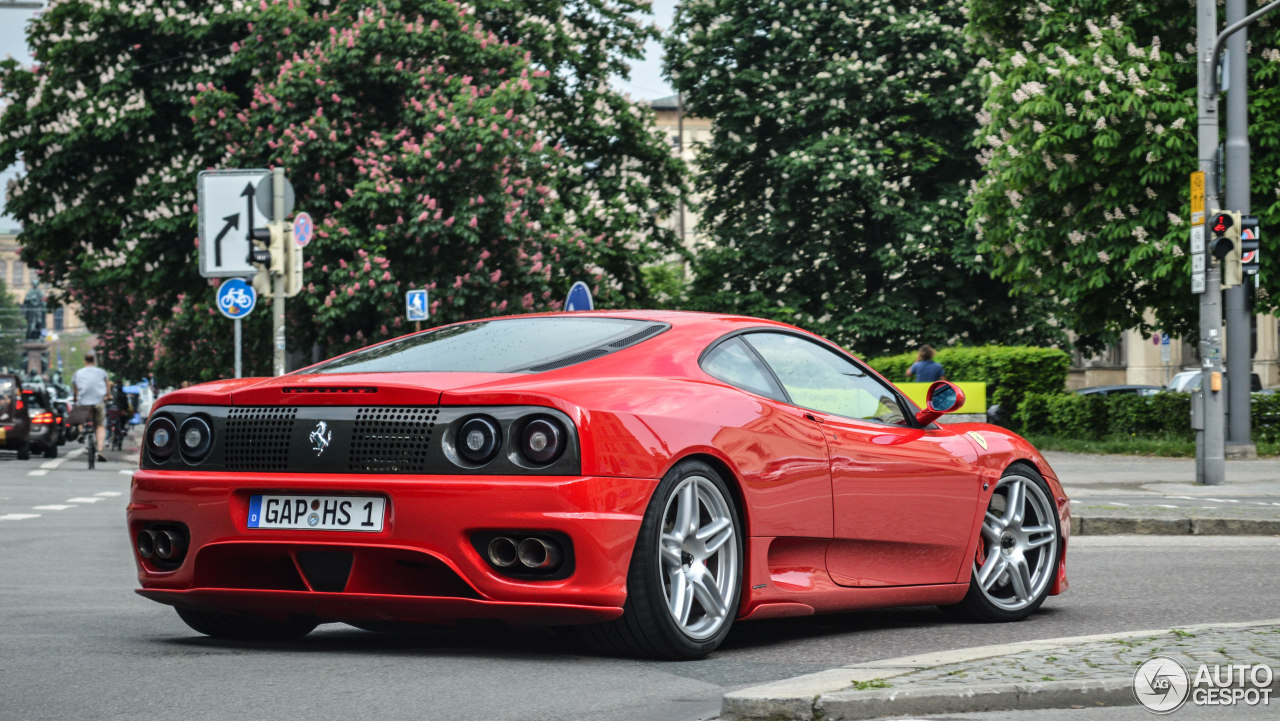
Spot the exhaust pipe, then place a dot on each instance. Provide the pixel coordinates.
(169, 545)
(502, 552)
(537, 554)
(146, 543)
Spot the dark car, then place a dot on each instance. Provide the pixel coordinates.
(15, 422)
(1116, 390)
(46, 430)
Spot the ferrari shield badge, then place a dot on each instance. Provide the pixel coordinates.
(977, 438)
(321, 435)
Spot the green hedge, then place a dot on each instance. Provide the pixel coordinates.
(1010, 372)
(1164, 414)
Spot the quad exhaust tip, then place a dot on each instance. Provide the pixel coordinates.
(524, 554)
(164, 545)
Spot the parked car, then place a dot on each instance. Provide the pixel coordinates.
(15, 421)
(1141, 390)
(46, 429)
(649, 476)
(1189, 381)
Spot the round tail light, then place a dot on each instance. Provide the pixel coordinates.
(162, 438)
(542, 441)
(195, 438)
(478, 440)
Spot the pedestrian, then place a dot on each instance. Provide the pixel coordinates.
(91, 387)
(926, 369)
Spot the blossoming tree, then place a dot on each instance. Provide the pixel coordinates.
(836, 175)
(469, 148)
(1087, 142)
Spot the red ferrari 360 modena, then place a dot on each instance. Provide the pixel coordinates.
(646, 476)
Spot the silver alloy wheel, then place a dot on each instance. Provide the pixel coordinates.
(1021, 544)
(698, 557)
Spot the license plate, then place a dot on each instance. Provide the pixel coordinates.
(317, 513)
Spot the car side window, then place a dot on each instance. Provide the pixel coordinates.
(734, 363)
(817, 377)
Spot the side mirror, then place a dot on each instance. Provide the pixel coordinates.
(943, 397)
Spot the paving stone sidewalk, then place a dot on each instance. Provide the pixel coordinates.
(1057, 673)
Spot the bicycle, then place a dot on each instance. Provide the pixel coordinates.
(82, 417)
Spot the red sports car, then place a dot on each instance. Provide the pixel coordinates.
(647, 476)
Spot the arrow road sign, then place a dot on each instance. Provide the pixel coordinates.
(227, 214)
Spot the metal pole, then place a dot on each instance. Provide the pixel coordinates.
(277, 279)
(236, 322)
(1210, 453)
(1239, 357)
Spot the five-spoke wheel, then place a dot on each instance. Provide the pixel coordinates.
(1017, 555)
(686, 571)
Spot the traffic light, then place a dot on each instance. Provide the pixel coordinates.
(1225, 225)
(293, 261)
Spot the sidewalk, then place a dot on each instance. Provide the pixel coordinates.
(1134, 494)
(1083, 671)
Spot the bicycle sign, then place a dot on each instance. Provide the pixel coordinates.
(236, 298)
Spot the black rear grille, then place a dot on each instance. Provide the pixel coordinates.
(258, 438)
(391, 439)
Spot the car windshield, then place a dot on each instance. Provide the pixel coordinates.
(498, 346)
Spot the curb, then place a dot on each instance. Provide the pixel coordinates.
(855, 705)
(828, 695)
(1193, 526)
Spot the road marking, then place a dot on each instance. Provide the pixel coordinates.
(1161, 505)
(53, 507)
(1183, 498)
(1208, 508)
(53, 465)
(38, 472)
(83, 499)
(108, 494)
(1221, 500)
(126, 473)
(1117, 503)
(18, 516)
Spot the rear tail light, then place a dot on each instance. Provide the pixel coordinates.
(542, 441)
(478, 440)
(18, 405)
(42, 418)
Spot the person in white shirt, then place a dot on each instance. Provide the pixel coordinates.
(91, 386)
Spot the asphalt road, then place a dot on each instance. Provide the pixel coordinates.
(77, 643)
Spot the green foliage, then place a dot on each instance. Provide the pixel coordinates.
(834, 181)
(473, 149)
(1087, 142)
(1096, 416)
(13, 330)
(1010, 372)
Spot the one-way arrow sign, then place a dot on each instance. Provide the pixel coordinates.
(227, 215)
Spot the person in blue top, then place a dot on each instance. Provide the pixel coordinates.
(926, 369)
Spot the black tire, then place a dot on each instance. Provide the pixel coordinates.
(1029, 541)
(51, 452)
(246, 627)
(24, 451)
(649, 627)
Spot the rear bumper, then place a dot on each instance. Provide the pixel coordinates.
(423, 566)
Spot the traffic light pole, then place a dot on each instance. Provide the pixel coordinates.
(1236, 299)
(277, 279)
(1207, 403)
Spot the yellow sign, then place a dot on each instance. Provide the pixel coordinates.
(1197, 198)
(975, 395)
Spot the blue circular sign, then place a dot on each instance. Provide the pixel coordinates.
(303, 229)
(236, 298)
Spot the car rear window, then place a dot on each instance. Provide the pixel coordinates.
(508, 345)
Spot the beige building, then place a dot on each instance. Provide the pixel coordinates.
(67, 337)
(1134, 360)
